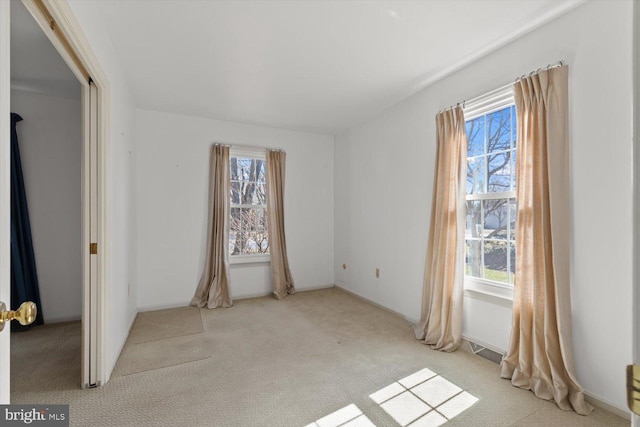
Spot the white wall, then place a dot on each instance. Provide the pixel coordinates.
(384, 179)
(121, 198)
(173, 173)
(50, 138)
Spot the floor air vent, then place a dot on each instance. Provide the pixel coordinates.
(480, 350)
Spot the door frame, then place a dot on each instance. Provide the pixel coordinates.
(635, 328)
(5, 191)
(59, 24)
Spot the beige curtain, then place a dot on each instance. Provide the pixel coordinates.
(441, 320)
(213, 289)
(540, 356)
(282, 280)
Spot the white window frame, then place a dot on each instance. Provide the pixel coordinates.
(492, 101)
(248, 153)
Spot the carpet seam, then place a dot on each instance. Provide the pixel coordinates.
(165, 367)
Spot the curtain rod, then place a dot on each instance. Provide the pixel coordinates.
(249, 146)
(501, 88)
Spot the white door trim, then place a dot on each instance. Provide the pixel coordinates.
(83, 61)
(5, 193)
(635, 328)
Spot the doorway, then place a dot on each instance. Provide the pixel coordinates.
(47, 177)
(56, 22)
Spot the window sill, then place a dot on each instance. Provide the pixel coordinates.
(249, 260)
(493, 291)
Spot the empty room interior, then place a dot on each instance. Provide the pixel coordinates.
(320, 213)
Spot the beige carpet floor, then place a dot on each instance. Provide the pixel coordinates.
(156, 331)
(265, 363)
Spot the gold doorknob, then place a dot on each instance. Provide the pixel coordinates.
(25, 314)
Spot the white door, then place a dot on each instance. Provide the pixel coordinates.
(5, 196)
(635, 330)
(90, 237)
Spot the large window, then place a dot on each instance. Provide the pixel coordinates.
(248, 233)
(491, 205)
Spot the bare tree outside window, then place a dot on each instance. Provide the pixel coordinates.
(490, 224)
(248, 233)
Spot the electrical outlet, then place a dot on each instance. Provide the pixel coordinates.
(377, 272)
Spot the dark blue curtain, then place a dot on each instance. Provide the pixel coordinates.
(24, 278)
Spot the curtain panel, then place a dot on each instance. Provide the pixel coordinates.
(441, 320)
(213, 289)
(281, 275)
(24, 276)
(540, 356)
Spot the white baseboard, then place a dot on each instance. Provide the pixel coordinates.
(155, 307)
(60, 319)
(413, 322)
(607, 406)
(315, 288)
(298, 290)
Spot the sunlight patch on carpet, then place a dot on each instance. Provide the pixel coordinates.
(349, 416)
(423, 399)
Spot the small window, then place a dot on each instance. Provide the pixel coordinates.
(248, 231)
(491, 204)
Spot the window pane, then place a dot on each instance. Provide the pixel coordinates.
(253, 219)
(499, 172)
(235, 227)
(248, 193)
(476, 182)
(473, 258)
(475, 137)
(233, 248)
(248, 220)
(514, 153)
(263, 220)
(499, 130)
(261, 238)
(234, 170)
(235, 192)
(495, 218)
(512, 219)
(260, 197)
(235, 219)
(261, 171)
(474, 219)
(514, 127)
(247, 243)
(244, 169)
(253, 170)
(248, 231)
(495, 260)
(512, 260)
(254, 243)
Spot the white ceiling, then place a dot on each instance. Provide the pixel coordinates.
(36, 66)
(311, 65)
